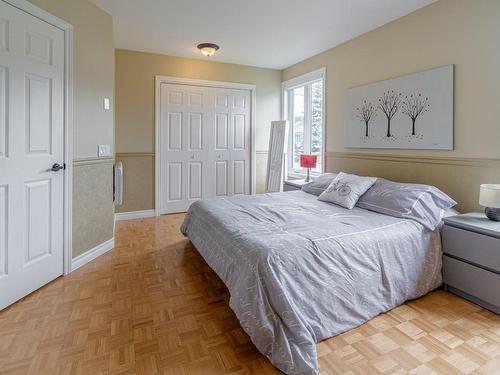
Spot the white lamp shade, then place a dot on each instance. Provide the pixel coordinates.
(489, 195)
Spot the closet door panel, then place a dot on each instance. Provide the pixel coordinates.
(205, 141)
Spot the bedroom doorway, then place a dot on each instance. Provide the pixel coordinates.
(204, 141)
(35, 115)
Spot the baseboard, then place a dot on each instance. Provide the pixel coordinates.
(91, 254)
(134, 215)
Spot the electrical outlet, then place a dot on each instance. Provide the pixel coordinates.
(104, 151)
(106, 104)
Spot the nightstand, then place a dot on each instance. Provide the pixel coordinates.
(471, 259)
(293, 184)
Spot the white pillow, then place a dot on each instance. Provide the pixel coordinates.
(346, 189)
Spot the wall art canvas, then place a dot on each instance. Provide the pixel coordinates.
(414, 111)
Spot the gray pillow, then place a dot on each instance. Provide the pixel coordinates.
(346, 189)
(320, 184)
(423, 203)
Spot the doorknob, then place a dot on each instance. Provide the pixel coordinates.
(56, 167)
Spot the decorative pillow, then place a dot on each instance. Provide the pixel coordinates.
(423, 203)
(320, 184)
(346, 189)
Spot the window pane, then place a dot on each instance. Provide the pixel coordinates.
(316, 122)
(298, 126)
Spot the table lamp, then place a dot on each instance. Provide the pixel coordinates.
(308, 161)
(489, 196)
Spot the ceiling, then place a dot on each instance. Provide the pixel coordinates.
(265, 33)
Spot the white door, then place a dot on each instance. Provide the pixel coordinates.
(231, 157)
(31, 142)
(205, 142)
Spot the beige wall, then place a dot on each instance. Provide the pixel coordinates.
(93, 80)
(93, 72)
(135, 77)
(461, 32)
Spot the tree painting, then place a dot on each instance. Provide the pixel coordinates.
(413, 106)
(389, 103)
(365, 114)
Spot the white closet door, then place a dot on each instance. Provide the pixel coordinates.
(205, 144)
(184, 137)
(31, 141)
(240, 133)
(221, 154)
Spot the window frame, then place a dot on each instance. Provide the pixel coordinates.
(287, 114)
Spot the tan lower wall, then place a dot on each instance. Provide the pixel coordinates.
(139, 180)
(458, 177)
(93, 210)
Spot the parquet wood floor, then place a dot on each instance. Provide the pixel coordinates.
(152, 306)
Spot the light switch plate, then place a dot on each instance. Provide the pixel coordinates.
(104, 151)
(106, 104)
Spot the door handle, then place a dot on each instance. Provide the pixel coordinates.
(56, 167)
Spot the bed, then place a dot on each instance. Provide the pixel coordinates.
(300, 270)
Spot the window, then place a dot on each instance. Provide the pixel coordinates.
(303, 99)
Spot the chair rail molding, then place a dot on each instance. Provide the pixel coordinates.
(134, 154)
(460, 161)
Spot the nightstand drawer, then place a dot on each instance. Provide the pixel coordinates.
(472, 280)
(473, 247)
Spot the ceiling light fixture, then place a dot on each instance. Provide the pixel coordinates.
(208, 49)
